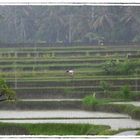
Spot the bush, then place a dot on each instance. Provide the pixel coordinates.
(105, 87)
(90, 101)
(110, 67)
(6, 93)
(125, 90)
(136, 113)
(116, 67)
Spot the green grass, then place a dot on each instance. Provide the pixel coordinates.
(106, 106)
(113, 132)
(40, 59)
(90, 101)
(58, 129)
(50, 65)
(69, 51)
(105, 47)
(138, 133)
(129, 109)
(93, 101)
(40, 105)
(53, 90)
(51, 129)
(46, 74)
(12, 129)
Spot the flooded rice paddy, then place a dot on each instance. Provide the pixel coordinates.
(59, 114)
(115, 120)
(135, 103)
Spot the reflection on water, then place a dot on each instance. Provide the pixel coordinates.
(58, 114)
(113, 121)
(136, 103)
(128, 133)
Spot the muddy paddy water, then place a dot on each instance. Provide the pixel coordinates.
(115, 120)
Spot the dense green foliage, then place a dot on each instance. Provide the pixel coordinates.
(70, 24)
(93, 101)
(121, 68)
(6, 93)
(51, 129)
(90, 101)
(125, 90)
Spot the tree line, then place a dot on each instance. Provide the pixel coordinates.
(68, 24)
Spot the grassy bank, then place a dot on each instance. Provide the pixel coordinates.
(138, 133)
(58, 129)
(131, 110)
(40, 105)
(113, 132)
(51, 129)
(104, 106)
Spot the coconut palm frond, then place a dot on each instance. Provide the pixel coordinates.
(109, 21)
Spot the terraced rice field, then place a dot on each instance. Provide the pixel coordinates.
(39, 74)
(41, 71)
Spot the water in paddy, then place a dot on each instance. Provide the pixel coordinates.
(115, 120)
(128, 133)
(136, 103)
(59, 114)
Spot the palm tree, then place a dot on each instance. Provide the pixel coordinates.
(103, 21)
(131, 22)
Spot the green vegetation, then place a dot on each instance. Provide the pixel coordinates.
(44, 77)
(113, 132)
(58, 129)
(6, 93)
(93, 101)
(120, 68)
(51, 129)
(109, 132)
(125, 90)
(131, 110)
(138, 133)
(90, 101)
(12, 129)
(37, 70)
(105, 87)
